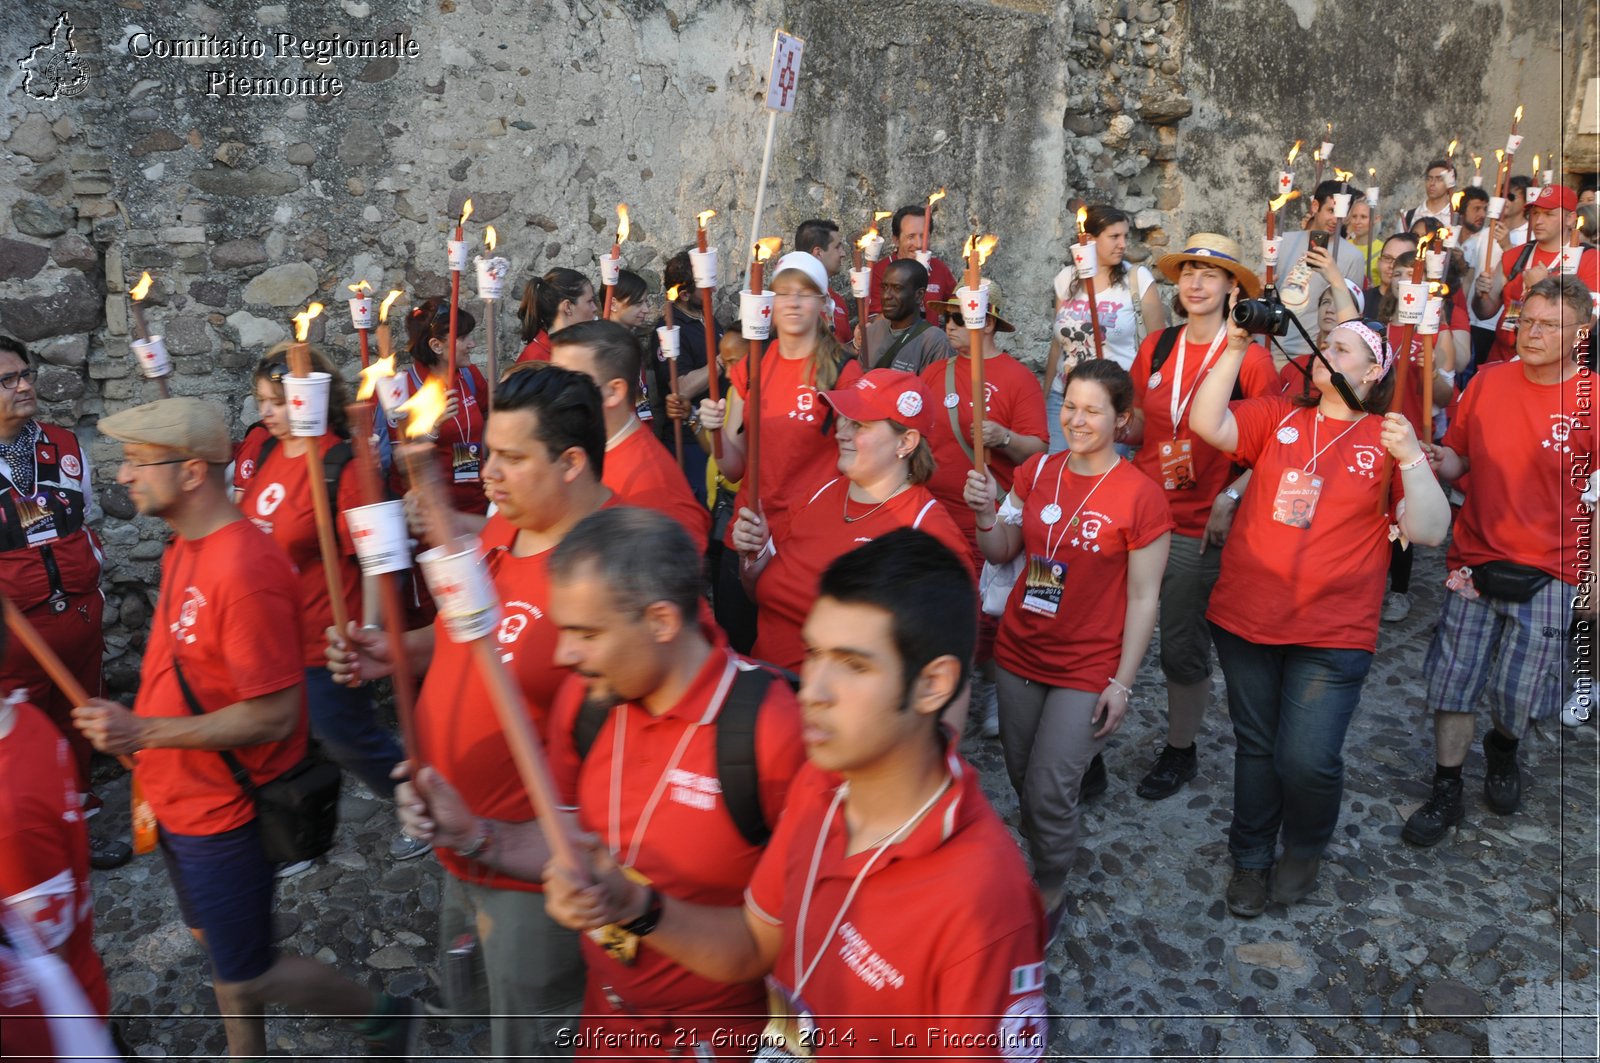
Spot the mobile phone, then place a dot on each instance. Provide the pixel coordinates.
(1319, 239)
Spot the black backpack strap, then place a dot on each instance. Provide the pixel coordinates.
(1523, 258)
(240, 776)
(736, 754)
(586, 725)
(333, 463)
(1164, 345)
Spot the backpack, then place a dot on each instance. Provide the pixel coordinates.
(1164, 345)
(736, 748)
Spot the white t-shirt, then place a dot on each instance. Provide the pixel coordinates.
(1119, 322)
(1301, 287)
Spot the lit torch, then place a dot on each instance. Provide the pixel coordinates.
(150, 351)
(757, 301)
(492, 273)
(976, 251)
(361, 316)
(927, 228)
(1085, 256)
(386, 333)
(861, 287)
(611, 266)
(299, 389)
(458, 262)
(670, 340)
(704, 258)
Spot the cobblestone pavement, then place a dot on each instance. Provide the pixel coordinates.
(1484, 946)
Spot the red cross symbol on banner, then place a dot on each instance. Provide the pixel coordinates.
(786, 78)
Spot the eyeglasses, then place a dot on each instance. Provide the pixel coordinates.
(1535, 327)
(9, 381)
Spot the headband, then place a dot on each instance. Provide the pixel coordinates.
(1382, 353)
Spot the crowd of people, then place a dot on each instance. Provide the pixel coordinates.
(751, 699)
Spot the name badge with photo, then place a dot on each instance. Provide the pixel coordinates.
(791, 1030)
(1177, 464)
(465, 463)
(1041, 591)
(38, 522)
(1296, 501)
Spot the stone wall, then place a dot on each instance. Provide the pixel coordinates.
(548, 113)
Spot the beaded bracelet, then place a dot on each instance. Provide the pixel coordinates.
(1121, 686)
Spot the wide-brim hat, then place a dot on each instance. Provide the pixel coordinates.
(1212, 249)
(996, 301)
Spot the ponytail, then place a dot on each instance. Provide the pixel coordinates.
(542, 298)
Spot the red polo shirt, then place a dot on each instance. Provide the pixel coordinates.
(941, 286)
(943, 940)
(1505, 335)
(641, 471)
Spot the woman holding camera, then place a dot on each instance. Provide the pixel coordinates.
(1294, 614)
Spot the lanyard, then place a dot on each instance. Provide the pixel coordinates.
(1316, 452)
(1177, 408)
(1055, 506)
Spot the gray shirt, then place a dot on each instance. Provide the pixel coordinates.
(1301, 287)
(915, 355)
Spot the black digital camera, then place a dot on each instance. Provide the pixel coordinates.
(1266, 316)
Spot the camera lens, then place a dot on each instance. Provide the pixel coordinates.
(1261, 317)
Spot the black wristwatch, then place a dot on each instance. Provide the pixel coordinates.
(646, 923)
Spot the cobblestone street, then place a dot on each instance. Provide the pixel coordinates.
(1484, 946)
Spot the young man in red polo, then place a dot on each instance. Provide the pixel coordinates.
(891, 914)
(908, 226)
(1551, 217)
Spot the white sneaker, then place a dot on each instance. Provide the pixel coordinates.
(1396, 606)
(405, 847)
(299, 867)
(1578, 707)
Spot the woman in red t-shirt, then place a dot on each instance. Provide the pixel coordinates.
(277, 499)
(884, 455)
(797, 452)
(549, 304)
(1294, 615)
(458, 437)
(1095, 530)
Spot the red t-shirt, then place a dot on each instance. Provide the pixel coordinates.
(641, 472)
(818, 535)
(1531, 448)
(1014, 400)
(537, 350)
(941, 286)
(459, 449)
(277, 499)
(1080, 645)
(841, 319)
(1212, 471)
(671, 823)
(230, 612)
(796, 454)
(44, 847)
(456, 722)
(1317, 586)
(1505, 336)
(944, 936)
(1291, 380)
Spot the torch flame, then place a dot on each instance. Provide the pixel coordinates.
(1499, 155)
(1518, 116)
(1316, 154)
(935, 197)
(768, 247)
(622, 222)
(371, 375)
(302, 322)
(466, 212)
(388, 301)
(672, 294)
(703, 217)
(1293, 152)
(1083, 212)
(1455, 201)
(1477, 162)
(1450, 152)
(141, 289)
(1578, 228)
(867, 237)
(1342, 175)
(1536, 162)
(489, 238)
(1277, 204)
(1372, 173)
(360, 289)
(879, 215)
(1439, 288)
(424, 409)
(1440, 235)
(986, 246)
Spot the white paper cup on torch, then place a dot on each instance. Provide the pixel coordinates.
(458, 255)
(1433, 264)
(382, 542)
(1341, 204)
(610, 270)
(1269, 250)
(704, 264)
(1086, 257)
(361, 313)
(1570, 257)
(860, 283)
(307, 399)
(153, 358)
(923, 257)
(492, 273)
(391, 391)
(872, 249)
(974, 305)
(1513, 142)
(1549, 178)
(1432, 315)
(1327, 151)
(755, 315)
(1285, 181)
(1413, 298)
(1452, 237)
(671, 341)
(1477, 180)
(462, 591)
(1497, 206)
(1372, 196)
(1450, 177)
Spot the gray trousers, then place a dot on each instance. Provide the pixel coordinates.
(1047, 735)
(531, 964)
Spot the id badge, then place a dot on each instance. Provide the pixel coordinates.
(791, 1029)
(1296, 501)
(464, 463)
(1512, 314)
(37, 521)
(1177, 464)
(1041, 593)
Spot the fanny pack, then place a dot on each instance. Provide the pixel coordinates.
(297, 812)
(1508, 581)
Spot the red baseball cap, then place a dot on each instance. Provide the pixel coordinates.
(887, 395)
(1554, 197)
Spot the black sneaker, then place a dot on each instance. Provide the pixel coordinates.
(1094, 779)
(1502, 779)
(1172, 769)
(105, 854)
(1247, 892)
(1430, 823)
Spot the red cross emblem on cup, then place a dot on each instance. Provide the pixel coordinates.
(1409, 299)
(361, 533)
(766, 311)
(297, 402)
(972, 304)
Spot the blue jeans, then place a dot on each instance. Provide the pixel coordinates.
(1053, 401)
(343, 720)
(1291, 707)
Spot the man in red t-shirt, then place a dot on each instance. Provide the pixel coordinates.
(820, 237)
(638, 751)
(1550, 220)
(639, 469)
(886, 833)
(229, 618)
(908, 227)
(546, 441)
(1525, 432)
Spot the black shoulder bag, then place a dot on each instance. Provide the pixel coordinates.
(298, 811)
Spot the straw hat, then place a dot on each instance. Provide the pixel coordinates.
(1212, 250)
(951, 306)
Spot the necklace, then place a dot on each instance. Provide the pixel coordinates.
(848, 519)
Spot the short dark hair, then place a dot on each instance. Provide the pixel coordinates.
(616, 540)
(904, 213)
(926, 590)
(1439, 164)
(429, 320)
(1518, 181)
(15, 346)
(1473, 194)
(916, 272)
(630, 288)
(814, 234)
(1326, 191)
(568, 405)
(1109, 375)
(1407, 237)
(615, 349)
(678, 273)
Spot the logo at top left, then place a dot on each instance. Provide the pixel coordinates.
(53, 67)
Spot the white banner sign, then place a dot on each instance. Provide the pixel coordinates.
(784, 76)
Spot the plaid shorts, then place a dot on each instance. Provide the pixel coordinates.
(1516, 651)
